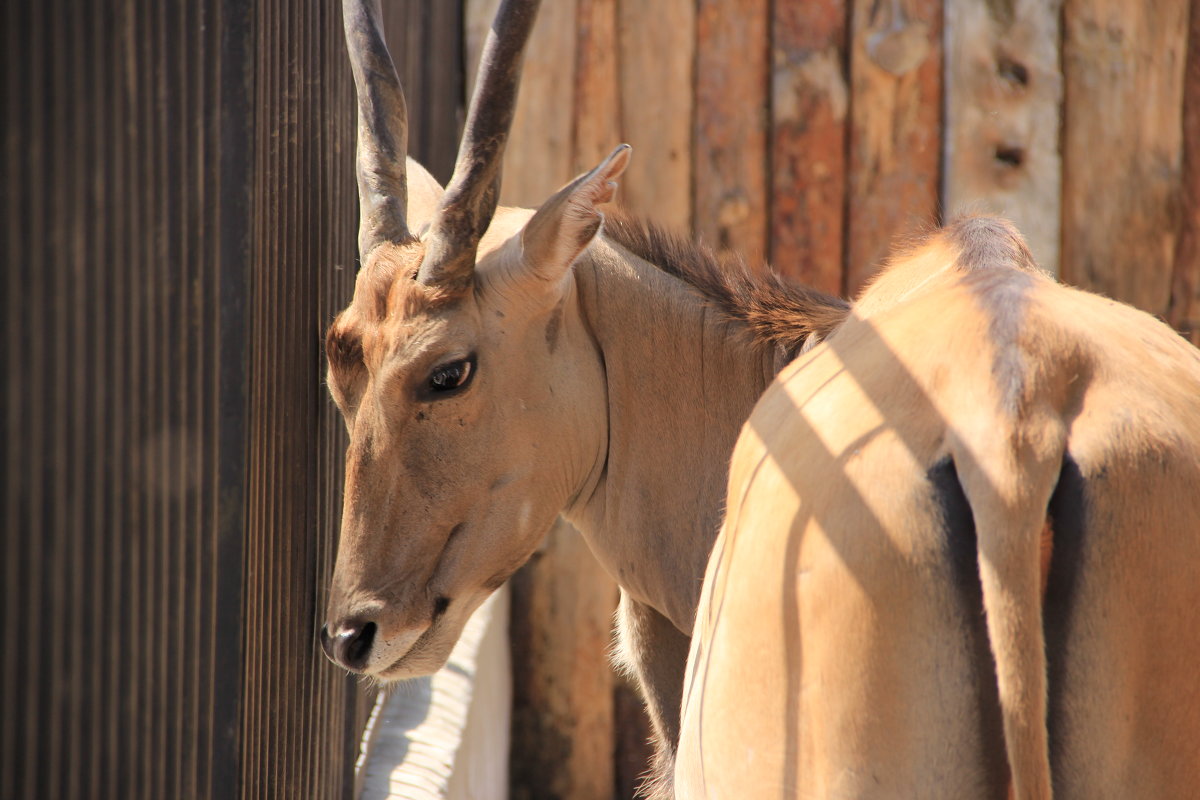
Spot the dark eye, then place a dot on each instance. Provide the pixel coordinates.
(454, 375)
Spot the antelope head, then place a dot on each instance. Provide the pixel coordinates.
(475, 406)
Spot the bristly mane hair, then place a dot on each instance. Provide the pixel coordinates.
(778, 312)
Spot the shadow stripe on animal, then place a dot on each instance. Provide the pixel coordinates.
(871, 666)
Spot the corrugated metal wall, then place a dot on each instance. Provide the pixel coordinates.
(297, 724)
(179, 226)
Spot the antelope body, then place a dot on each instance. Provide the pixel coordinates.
(961, 552)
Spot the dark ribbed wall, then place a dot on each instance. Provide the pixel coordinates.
(179, 226)
(297, 720)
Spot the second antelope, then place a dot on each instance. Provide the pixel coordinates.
(961, 550)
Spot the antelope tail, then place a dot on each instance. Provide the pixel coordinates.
(1009, 499)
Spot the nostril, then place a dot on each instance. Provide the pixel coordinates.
(356, 649)
(350, 647)
(327, 643)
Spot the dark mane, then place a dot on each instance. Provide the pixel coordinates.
(778, 312)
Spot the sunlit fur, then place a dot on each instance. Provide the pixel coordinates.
(960, 552)
(776, 311)
(612, 379)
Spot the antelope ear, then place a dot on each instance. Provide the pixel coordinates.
(567, 222)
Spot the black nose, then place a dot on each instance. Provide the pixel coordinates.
(351, 647)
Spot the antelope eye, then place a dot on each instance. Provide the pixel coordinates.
(452, 376)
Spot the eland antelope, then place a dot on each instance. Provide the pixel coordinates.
(497, 367)
(961, 556)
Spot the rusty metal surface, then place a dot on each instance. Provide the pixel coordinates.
(179, 226)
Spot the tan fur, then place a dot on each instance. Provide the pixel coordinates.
(777, 312)
(608, 388)
(843, 649)
(600, 385)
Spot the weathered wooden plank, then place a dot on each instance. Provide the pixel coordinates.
(895, 138)
(809, 103)
(563, 739)
(1122, 146)
(538, 158)
(1184, 310)
(1003, 104)
(730, 159)
(656, 50)
(597, 120)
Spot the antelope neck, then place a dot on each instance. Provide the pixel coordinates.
(680, 382)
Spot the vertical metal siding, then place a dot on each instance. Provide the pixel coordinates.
(300, 718)
(179, 224)
(125, 208)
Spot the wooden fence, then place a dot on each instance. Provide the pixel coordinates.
(813, 133)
